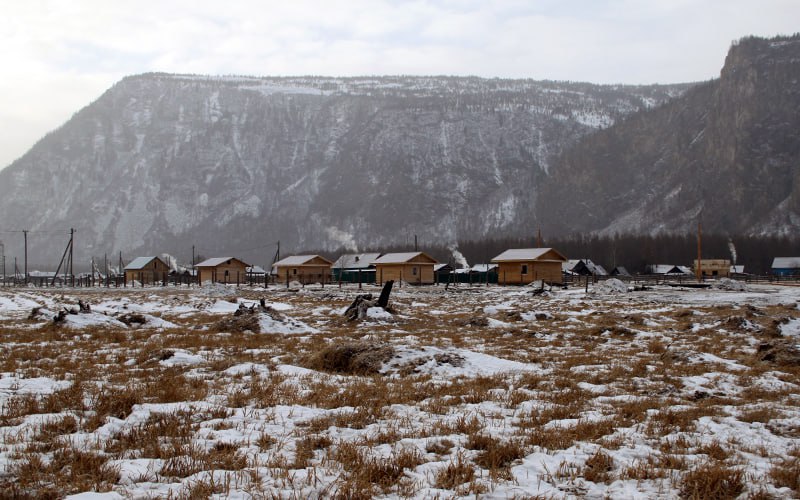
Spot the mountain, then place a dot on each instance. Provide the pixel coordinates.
(726, 153)
(162, 162)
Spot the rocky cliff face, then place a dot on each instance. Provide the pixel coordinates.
(161, 162)
(726, 153)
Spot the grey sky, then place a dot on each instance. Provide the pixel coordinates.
(59, 56)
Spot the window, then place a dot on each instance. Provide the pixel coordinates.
(414, 271)
(524, 269)
(294, 271)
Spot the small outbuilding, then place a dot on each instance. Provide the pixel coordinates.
(146, 270)
(411, 267)
(521, 266)
(786, 266)
(222, 270)
(303, 268)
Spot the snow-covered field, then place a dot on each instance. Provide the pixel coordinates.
(495, 392)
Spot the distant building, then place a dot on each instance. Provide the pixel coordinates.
(355, 267)
(443, 273)
(303, 268)
(583, 267)
(786, 266)
(619, 271)
(669, 269)
(520, 266)
(146, 270)
(714, 267)
(477, 273)
(222, 270)
(411, 267)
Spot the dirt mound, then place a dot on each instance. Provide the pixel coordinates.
(779, 352)
(357, 358)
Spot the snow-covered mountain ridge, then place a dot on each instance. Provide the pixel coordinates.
(160, 162)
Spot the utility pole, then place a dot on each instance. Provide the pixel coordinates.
(192, 256)
(25, 237)
(71, 241)
(699, 269)
(415, 244)
(539, 238)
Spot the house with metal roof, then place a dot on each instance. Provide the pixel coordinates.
(222, 270)
(521, 266)
(355, 267)
(146, 270)
(303, 268)
(410, 267)
(786, 266)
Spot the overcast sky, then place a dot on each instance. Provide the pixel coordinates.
(58, 56)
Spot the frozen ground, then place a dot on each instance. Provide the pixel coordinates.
(494, 392)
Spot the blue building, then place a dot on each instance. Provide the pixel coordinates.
(786, 266)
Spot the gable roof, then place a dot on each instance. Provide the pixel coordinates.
(620, 271)
(140, 263)
(355, 260)
(216, 261)
(402, 258)
(786, 263)
(299, 260)
(524, 254)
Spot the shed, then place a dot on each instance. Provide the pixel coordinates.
(355, 267)
(411, 267)
(303, 268)
(222, 270)
(786, 266)
(520, 266)
(146, 270)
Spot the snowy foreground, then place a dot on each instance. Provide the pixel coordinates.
(491, 392)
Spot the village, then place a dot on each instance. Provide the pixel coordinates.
(518, 266)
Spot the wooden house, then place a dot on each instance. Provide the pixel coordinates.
(520, 266)
(303, 268)
(714, 268)
(355, 268)
(146, 270)
(222, 270)
(411, 267)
